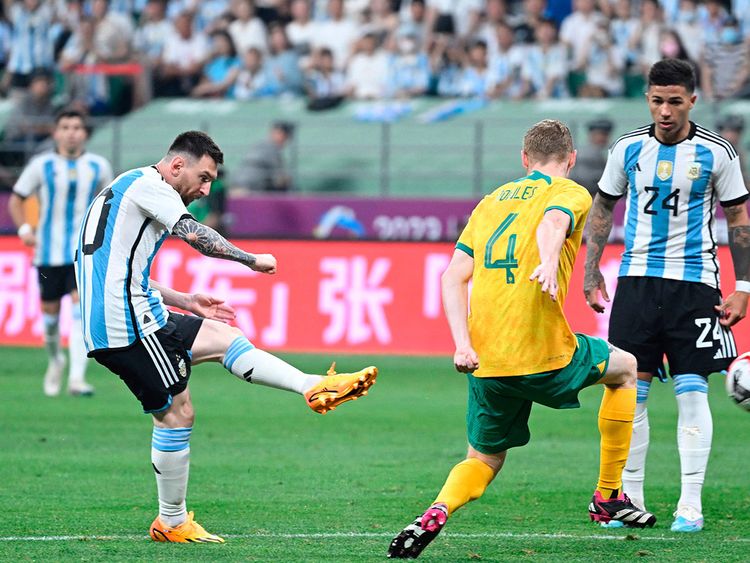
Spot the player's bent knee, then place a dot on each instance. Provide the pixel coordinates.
(622, 369)
(212, 341)
(631, 368)
(178, 415)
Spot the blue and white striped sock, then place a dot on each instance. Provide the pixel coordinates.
(250, 364)
(695, 429)
(170, 457)
(634, 473)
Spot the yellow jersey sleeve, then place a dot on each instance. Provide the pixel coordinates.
(573, 199)
(466, 241)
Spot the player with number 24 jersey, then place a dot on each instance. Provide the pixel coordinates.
(672, 191)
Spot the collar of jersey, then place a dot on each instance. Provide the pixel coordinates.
(690, 135)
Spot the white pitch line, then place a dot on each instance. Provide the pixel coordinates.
(333, 535)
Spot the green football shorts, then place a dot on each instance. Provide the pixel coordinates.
(498, 412)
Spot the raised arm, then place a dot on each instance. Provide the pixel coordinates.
(550, 237)
(598, 229)
(210, 243)
(455, 286)
(734, 307)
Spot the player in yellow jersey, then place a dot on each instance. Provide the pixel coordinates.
(516, 346)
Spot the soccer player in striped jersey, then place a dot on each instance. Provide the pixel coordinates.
(66, 181)
(32, 40)
(516, 347)
(129, 330)
(668, 302)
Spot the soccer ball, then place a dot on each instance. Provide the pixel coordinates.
(738, 381)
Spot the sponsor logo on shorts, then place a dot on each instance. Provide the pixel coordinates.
(182, 367)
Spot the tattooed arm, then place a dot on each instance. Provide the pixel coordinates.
(210, 243)
(734, 307)
(598, 228)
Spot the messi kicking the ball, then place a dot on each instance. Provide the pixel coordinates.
(128, 329)
(519, 248)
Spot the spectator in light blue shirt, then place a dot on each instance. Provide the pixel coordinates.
(545, 68)
(152, 30)
(206, 12)
(409, 69)
(505, 67)
(32, 40)
(220, 71)
(324, 83)
(474, 81)
(283, 61)
(623, 28)
(253, 79)
(449, 63)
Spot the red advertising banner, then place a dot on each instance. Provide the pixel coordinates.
(345, 297)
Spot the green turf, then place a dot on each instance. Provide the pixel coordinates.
(263, 466)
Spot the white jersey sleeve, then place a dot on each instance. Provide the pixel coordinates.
(159, 201)
(728, 181)
(614, 180)
(30, 180)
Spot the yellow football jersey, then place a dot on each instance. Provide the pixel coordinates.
(515, 328)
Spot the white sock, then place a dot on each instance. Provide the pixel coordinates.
(634, 474)
(256, 366)
(170, 456)
(77, 349)
(52, 335)
(695, 429)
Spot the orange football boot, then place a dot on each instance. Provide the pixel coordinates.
(187, 532)
(335, 389)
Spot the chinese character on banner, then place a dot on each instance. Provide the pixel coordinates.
(434, 265)
(14, 288)
(354, 299)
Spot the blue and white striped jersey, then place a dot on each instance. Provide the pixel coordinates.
(671, 198)
(32, 41)
(65, 189)
(124, 228)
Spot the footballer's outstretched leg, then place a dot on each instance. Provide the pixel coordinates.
(410, 542)
(217, 341)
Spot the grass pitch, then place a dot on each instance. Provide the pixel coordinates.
(284, 484)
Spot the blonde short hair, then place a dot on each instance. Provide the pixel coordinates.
(547, 140)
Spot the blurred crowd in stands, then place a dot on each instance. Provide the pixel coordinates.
(108, 56)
